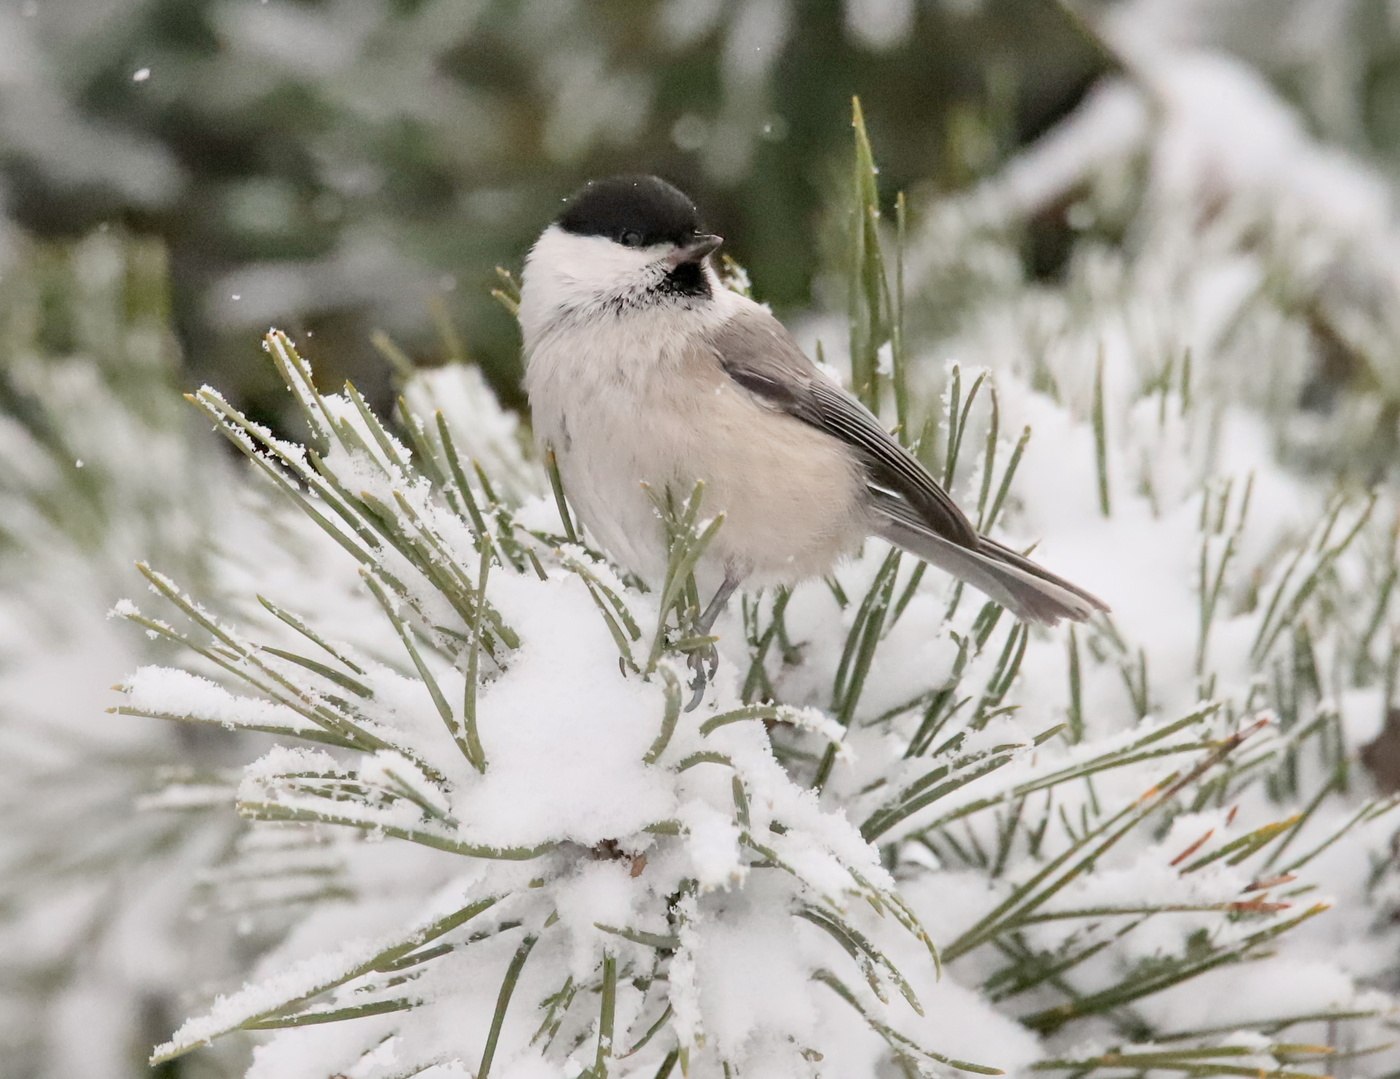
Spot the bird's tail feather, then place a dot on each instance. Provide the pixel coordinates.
(1029, 591)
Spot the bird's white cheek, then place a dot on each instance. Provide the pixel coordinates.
(565, 274)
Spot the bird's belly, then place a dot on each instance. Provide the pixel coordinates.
(608, 482)
(792, 496)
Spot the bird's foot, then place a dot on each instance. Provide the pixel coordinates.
(703, 662)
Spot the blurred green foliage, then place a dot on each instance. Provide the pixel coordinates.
(330, 166)
(337, 166)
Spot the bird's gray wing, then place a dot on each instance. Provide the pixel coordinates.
(759, 354)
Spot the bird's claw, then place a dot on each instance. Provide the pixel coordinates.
(704, 662)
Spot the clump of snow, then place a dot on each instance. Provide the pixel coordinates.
(177, 694)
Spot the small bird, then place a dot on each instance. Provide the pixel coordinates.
(644, 371)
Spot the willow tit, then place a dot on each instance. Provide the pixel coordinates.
(643, 370)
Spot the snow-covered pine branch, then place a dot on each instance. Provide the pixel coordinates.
(1119, 846)
(101, 465)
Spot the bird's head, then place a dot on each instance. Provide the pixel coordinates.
(622, 244)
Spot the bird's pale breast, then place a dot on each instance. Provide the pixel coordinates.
(642, 413)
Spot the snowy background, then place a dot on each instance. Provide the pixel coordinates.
(330, 748)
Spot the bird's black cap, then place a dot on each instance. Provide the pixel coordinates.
(633, 210)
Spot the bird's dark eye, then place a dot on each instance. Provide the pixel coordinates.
(630, 238)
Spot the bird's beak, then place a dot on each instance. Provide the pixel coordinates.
(695, 251)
